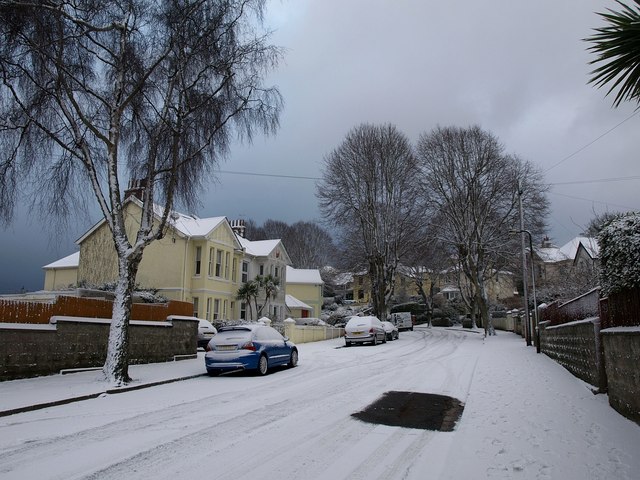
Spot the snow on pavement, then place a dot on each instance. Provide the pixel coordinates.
(525, 417)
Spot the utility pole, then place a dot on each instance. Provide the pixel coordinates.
(527, 325)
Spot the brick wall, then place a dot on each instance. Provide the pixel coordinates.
(68, 342)
(622, 363)
(576, 346)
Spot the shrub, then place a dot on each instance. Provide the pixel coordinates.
(620, 254)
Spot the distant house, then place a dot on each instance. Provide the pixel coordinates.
(580, 254)
(61, 273)
(304, 287)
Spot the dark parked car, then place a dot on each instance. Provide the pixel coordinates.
(249, 347)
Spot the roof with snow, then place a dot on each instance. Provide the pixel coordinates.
(303, 275)
(293, 302)
(259, 248)
(187, 225)
(569, 250)
(70, 261)
(192, 226)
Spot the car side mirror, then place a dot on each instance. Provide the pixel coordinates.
(286, 339)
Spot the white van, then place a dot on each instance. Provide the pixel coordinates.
(402, 320)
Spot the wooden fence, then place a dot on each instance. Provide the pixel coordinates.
(621, 309)
(15, 311)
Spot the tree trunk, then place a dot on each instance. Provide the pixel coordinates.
(116, 367)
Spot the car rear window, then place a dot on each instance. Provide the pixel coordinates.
(233, 336)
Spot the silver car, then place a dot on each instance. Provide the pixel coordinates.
(391, 330)
(364, 330)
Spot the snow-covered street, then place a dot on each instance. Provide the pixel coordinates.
(525, 417)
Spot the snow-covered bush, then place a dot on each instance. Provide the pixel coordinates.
(620, 254)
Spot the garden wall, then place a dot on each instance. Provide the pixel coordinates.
(308, 333)
(622, 363)
(576, 346)
(29, 350)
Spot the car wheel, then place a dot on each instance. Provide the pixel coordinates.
(263, 365)
(384, 338)
(375, 339)
(347, 344)
(213, 373)
(293, 360)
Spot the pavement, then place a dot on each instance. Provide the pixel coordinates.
(29, 394)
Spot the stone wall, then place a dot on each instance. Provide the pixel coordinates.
(72, 342)
(576, 346)
(622, 363)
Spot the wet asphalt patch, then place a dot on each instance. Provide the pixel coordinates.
(425, 411)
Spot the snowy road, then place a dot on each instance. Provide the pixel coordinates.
(297, 424)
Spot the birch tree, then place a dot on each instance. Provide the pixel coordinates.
(369, 192)
(96, 93)
(471, 187)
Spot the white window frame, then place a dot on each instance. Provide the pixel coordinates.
(196, 306)
(198, 261)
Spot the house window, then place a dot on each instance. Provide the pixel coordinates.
(243, 310)
(276, 272)
(234, 270)
(195, 306)
(261, 269)
(216, 309)
(245, 272)
(224, 309)
(233, 308)
(226, 265)
(210, 271)
(219, 263)
(208, 313)
(198, 259)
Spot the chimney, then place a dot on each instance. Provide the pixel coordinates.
(238, 227)
(136, 188)
(546, 242)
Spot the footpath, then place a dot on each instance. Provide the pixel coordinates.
(29, 394)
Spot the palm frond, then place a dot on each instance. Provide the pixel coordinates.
(617, 46)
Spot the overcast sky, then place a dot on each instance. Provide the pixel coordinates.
(516, 69)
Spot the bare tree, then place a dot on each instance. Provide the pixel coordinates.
(308, 244)
(472, 184)
(97, 93)
(369, 187)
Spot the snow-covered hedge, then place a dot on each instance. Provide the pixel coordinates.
(620, 254)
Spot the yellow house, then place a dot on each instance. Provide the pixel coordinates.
(265, 257)
(304, 286)
(197, 261)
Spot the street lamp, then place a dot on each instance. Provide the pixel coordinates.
(533, 287)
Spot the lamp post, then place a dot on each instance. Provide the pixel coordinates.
(533, 287)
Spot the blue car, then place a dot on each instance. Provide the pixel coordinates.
(254, 347)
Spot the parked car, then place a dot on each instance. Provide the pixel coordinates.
(249, 347)
(390, 330)
(206, 331)
(402, 320)
(364, 330)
